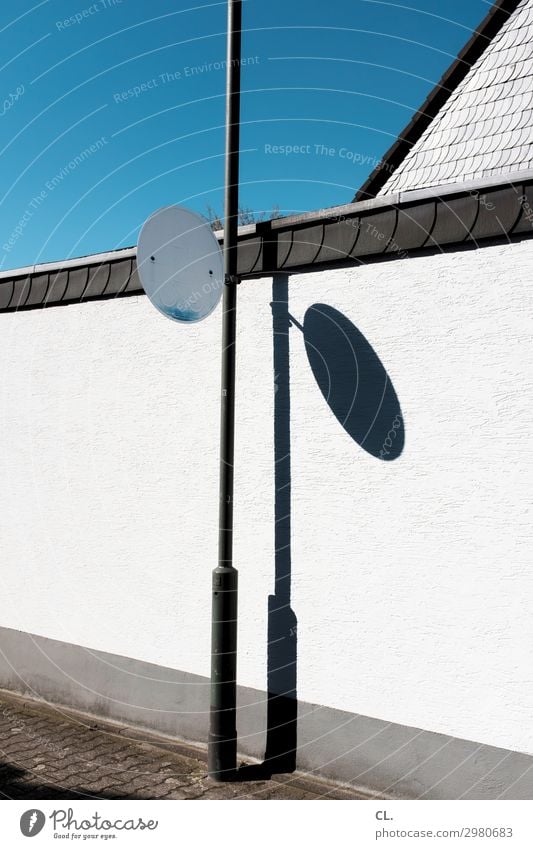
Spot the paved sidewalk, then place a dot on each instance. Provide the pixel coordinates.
(48, 753)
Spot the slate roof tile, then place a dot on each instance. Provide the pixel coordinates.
(486, 126)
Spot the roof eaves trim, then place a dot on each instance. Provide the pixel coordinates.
(76, 262)
(392, 227)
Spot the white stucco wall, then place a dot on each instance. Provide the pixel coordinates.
(412, 580)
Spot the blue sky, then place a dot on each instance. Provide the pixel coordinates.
(112, 109)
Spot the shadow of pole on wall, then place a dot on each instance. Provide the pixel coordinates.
(282, 707)
(360, 394)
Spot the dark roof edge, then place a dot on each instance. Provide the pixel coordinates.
(391, 227)
(348, 210)
(471, 52)
(75, 262)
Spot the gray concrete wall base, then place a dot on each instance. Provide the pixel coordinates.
(380, 757)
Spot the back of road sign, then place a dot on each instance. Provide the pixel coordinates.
(180, 264)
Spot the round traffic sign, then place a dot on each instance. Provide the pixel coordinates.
(180, 264)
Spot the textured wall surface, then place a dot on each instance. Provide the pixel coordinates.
(411, 580)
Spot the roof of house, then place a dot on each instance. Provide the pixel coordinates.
(390, 227)
(478, 121)
(463, 174)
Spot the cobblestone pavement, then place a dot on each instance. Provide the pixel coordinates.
(48, 753)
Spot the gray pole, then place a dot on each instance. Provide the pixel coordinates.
(222, 746)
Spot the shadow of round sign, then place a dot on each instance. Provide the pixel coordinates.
(354, 382)
(180, 264)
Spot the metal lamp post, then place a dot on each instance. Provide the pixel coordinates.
(222, 745)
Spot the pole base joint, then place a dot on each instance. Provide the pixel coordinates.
(221, 750)
(222, 745)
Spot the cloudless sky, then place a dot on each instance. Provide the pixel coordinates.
(86, 156)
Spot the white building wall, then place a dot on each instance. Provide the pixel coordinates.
(411, 580)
